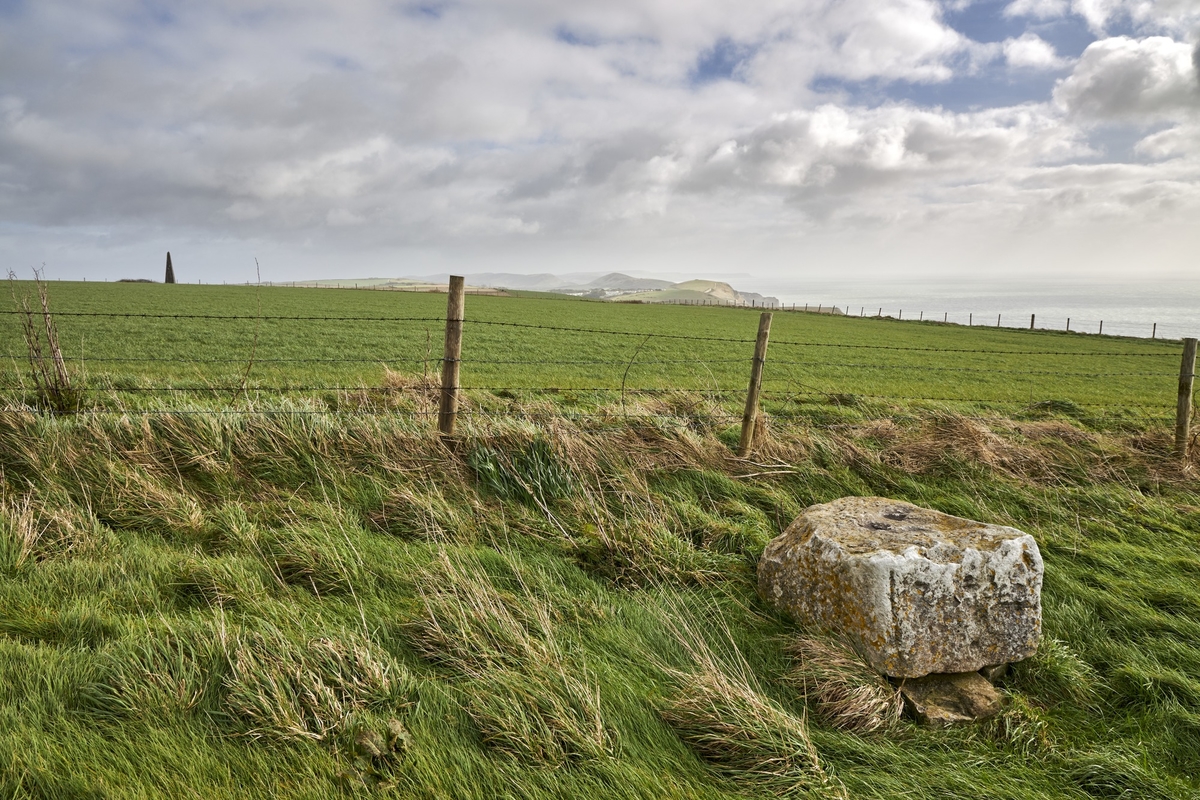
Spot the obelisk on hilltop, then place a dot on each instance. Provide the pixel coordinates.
(170, 270)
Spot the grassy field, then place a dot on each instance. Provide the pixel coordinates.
(269, 603)
(812, 356)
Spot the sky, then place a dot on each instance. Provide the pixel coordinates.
(790, 140)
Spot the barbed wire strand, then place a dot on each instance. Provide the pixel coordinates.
(593, 331)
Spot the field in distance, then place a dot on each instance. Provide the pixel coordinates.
(813, 358)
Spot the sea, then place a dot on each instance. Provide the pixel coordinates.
(1165, 309)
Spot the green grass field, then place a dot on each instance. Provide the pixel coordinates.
(276, 601)
(812, 356)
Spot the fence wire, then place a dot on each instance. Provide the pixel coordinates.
(244, 388)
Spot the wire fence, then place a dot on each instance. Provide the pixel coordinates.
(1007, 377)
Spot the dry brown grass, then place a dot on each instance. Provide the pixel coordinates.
(944, 438)
(396, 391)
(36, 528)
(845, 692)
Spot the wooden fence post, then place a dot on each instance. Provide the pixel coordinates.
(756, 369)
(451, 354)
(1183, 406)
(1032, 317)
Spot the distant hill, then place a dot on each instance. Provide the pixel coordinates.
(615, 286)
(620, 282)
(621, 287)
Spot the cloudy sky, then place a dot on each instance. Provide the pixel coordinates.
(789, 138)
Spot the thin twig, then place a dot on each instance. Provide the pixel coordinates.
(253, 344)
(626, 373)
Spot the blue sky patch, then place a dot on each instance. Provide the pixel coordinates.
(720, 62)
(575, 38)
(985, 21)
(996, 87)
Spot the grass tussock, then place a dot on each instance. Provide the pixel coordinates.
(218, 582)
(278, 690)
(719, 708)
(426, 511)
(946, 438)
(33, 529)
(162, 669)
(529, 698)
(841, 687)
(1057, 674)
(317, 558)
(128, 497)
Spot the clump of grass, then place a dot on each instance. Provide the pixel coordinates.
(421, 512)
(221, 582)
(846, 693)
(161, 669)
(318, 558)
(720, 710)
(127, 496)
(528, 698)
(628, 539)
(228, 526)
(397, 391)
(945, 439)
(277, 689)
(33, 529)
(1056, 674)
(1022, 725)
(1114, 773)
(631, 535)
(531, 473)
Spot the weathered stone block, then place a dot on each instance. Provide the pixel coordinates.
(915, 591)
(940, 701)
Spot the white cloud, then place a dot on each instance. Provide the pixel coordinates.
(1134, 79)
(506, 122)
(1176, 17)
(1180, 140)
(1148, 16)
(1030, 51)
(1038, 9)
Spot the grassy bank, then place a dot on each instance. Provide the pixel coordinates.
(322, 605)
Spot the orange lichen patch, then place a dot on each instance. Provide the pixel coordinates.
(866, 526)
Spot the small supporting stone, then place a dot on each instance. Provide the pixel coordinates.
(994, 672)
(940, 701)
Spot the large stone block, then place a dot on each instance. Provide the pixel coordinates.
(915, 591)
